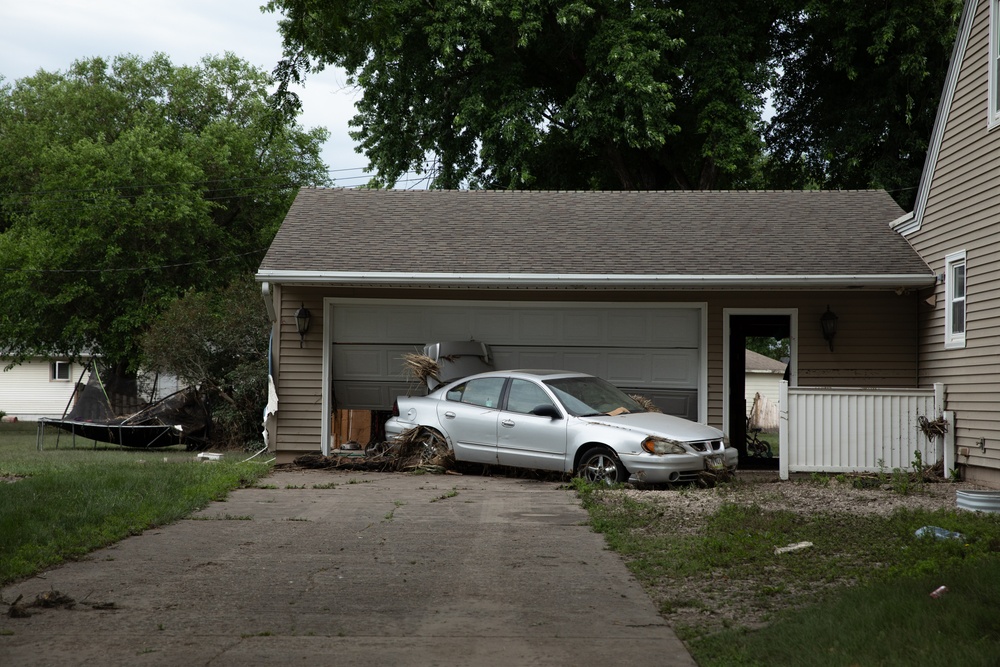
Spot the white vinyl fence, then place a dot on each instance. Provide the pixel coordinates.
(856, 430)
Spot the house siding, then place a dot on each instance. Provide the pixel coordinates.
(876, 345)
(27, 392)
(962, 213)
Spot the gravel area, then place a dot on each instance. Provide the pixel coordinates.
(803, 496)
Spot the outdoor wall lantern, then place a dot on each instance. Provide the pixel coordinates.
(829, 323)
(302, 316)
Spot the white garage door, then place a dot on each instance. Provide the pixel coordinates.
(649, 349)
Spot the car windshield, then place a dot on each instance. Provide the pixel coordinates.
(586, 396)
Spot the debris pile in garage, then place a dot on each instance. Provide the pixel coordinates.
(417, 449)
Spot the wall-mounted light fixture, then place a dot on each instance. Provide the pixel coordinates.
(302, 316)
(829, 324)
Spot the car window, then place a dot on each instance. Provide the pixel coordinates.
(484, 392)
(525, 396)
(592, 396)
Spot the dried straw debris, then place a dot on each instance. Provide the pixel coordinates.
(646, 403)
(420, 368)
(419, 448)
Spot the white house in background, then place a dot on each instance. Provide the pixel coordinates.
(40, 388)
(763, 374)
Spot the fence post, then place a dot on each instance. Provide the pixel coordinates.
(940, 442)
(783, 444)
(949, 445)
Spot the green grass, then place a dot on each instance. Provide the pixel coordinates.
(858, 596)
(888, 622)
(59, 504)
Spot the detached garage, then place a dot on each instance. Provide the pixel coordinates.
(654, 291)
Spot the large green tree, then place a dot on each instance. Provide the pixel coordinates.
(858, 92)
(124, 184)
(544, 93)
(634, 95)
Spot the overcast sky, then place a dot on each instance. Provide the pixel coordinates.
(51, 34)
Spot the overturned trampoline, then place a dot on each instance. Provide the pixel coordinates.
(180, 418)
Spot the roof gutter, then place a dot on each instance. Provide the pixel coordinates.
(583, 280)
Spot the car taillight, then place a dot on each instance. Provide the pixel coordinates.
(395, 408)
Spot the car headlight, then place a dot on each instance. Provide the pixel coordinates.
(655, 445)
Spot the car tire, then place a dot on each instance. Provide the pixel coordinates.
(434, 446)
(600, 465)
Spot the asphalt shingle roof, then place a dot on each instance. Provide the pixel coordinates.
(681, 233)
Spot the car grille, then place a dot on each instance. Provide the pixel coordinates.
(707, 446)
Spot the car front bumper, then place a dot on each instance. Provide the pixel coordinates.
(667, 468)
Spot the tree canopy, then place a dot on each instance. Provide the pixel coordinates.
(125, 184)
(860, 85)
(600, 94)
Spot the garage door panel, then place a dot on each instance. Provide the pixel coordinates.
(585, 328)
(585, 362)
(537, 359)
(359, 324)
(630, 328)
(369, 362)
(645, 347)
(371, 395)
(627, 368)
(536, 328)
(674, 368)
(494, 324)
(679, 328)
(449, 326)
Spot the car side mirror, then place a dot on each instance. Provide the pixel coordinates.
(546, 410)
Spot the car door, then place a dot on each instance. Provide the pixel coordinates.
(528, 440)
(469, 416)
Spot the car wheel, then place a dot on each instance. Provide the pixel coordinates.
(600, 465)
(434, 446)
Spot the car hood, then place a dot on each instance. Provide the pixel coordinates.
(659, 424)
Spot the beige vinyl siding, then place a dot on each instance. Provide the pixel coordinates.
(963, 214)
(875, 344)
(299, 382)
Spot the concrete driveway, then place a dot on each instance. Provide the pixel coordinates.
(338, 568)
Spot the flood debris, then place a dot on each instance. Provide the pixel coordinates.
(798, 546)
(646, 402)
(421, 369)
(47, 600)
(419, 448)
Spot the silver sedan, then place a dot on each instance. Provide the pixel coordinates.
(564, 421)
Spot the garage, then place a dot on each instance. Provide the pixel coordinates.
(635, 287)
(656, 350)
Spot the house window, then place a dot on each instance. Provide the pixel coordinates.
(955, 300)
(59, 371)
(994, 64)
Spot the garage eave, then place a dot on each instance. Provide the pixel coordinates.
(591, 281)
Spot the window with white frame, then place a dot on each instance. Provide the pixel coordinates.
(59, 371)
(994, 64)
(955, 300)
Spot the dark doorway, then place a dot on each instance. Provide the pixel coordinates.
(742, 328)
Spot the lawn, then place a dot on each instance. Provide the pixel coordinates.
(860, 595)
(63, 502)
